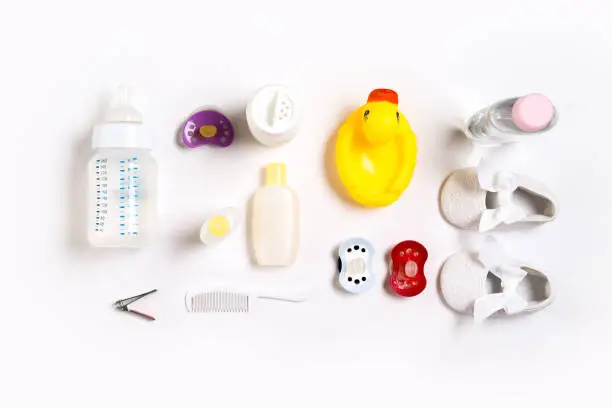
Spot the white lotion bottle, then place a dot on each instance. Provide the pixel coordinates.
(275, 220)
(122, 173)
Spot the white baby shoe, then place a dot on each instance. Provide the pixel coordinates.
(484, 197)
(489, 282)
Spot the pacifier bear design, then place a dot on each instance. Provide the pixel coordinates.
(406, 267)
(355, 265)
(207, 127)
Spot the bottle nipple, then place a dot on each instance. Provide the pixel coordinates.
(276, 174)
(121, 108)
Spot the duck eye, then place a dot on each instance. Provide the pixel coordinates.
(366, 113)
(398, 116)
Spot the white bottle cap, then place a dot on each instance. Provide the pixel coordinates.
(273, 115)
(122, 125)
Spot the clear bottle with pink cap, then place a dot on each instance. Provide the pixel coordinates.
(512, 120)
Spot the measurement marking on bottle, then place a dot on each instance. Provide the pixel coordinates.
(101, 194)
(129, 187)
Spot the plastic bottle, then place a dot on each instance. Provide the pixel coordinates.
(275, 220)
(512, 120)
(122, 179)
(273, 115)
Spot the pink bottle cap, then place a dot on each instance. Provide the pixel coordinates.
(532, 112)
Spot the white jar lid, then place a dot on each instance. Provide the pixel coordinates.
(273, 115)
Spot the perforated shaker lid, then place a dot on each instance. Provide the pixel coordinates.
(273, 113)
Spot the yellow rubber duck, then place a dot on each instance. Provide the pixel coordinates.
(376, 151)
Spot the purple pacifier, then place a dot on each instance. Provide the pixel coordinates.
(208, 127)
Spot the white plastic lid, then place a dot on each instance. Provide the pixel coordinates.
(122, 125)
(273, 115)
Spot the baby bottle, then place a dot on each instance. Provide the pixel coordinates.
(512, 120)
(275, 220)
(122, 202)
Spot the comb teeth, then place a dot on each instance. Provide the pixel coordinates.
(217, 302)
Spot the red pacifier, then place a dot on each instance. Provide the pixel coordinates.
(407, 268)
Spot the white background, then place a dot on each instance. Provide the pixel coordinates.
(61, 344)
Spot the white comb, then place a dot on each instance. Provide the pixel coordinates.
(230, 301)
